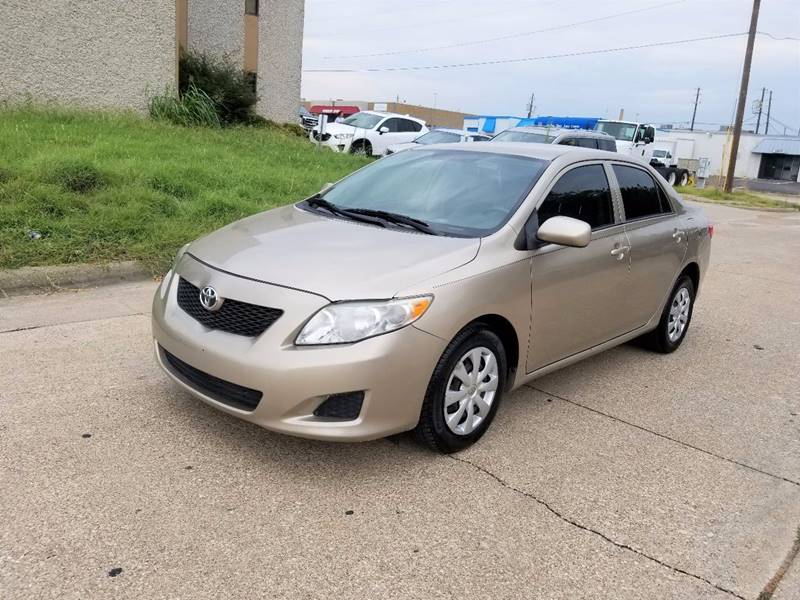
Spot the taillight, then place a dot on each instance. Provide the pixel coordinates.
(710, 230)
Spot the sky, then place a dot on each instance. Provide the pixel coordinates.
(655, 84)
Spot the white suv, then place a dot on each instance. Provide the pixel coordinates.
(369, 132)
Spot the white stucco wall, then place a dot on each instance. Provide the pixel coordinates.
(95, 53)
(711, 145)
(216, 27)
(280, 58)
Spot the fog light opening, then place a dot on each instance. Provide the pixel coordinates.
(342, 407)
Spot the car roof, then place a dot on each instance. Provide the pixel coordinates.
(391, 114)
(459, 131)
(548, 152)
(561, 130)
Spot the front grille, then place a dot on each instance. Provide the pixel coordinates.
(234, 316)
(325, 136)
(223, 391)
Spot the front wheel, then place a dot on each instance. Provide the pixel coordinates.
(361, 148)
(675, 319)
(464, 391)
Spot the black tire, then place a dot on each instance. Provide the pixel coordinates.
(659, 340)
(671, 178)
(684, 180)
(361, 147)
(432, 428)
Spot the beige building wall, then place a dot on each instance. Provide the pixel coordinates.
(95, 53)
(217, 27)
(434, 117)
(280, 58)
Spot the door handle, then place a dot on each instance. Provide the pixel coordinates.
(620, 252)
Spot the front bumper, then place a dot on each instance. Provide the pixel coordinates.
(393, 370)
(337, 145)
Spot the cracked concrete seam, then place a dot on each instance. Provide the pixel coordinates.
(777, 577)
(46, 325)
(666, 437)
(587, 529)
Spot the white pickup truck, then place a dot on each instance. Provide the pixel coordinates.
(633, 138)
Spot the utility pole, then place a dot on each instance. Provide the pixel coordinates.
(760, 108)
(769, 110)
(694, 114)
(737, 126)
(531, 105)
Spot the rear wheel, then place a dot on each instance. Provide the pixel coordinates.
(684, 178)
(464, 392)
(671, 178)
(675, 319)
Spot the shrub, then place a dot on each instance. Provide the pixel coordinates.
(228, 87)
(192, 107)
(78, 177)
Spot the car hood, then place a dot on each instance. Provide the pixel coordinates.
(332, 257)
(401, 147)
(334, 128)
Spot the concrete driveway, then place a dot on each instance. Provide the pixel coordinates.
(631, 475)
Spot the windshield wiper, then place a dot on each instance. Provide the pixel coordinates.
(396, 218)
(318, 201)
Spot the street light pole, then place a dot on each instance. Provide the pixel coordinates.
(737, 126)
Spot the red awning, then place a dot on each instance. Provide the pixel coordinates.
(344, 110)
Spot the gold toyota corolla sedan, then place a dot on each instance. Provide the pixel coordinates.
(417, 291)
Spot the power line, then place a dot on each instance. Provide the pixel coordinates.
(509, 37)
(530, 58)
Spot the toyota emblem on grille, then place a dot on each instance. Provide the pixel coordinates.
(210, 299)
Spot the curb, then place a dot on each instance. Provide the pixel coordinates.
(773, 209)
(43, 280)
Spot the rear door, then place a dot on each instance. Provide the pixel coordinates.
(657, 238)
(577, 292)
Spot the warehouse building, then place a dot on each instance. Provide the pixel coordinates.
(112, 54)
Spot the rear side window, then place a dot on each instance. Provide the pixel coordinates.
(640, 194)
(587, 143)
(568, 142)
(581, 193)
(609, 145)
(409, 126)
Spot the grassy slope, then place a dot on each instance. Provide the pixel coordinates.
(738, 198)
(161, 185)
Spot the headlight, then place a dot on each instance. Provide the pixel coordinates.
(342, 136)
(168, 275)
(347, 322)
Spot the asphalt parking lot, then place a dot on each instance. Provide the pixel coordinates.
(630, 475)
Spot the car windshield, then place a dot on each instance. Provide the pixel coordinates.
(438, 137)
(523, 136)
(458, 193)
(621, 131)
(363, 120)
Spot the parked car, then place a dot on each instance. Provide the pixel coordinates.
(416, 292)
(369, 132)
(440, 136)
(566, 137)
(307, 120)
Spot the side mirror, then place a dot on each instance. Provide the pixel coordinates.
(649, 134)
(383, 130)
(565, 231)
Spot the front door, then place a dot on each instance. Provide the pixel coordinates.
(658, 241)
(399, 133)
(577, 293)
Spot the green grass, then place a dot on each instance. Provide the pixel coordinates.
(103, 187)
(737, 198)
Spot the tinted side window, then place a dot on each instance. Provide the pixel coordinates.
(609, 145)
(587, 143)
(581, 193)
(394, 125)
(411, 126)
(640, 195)
(568, 142)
